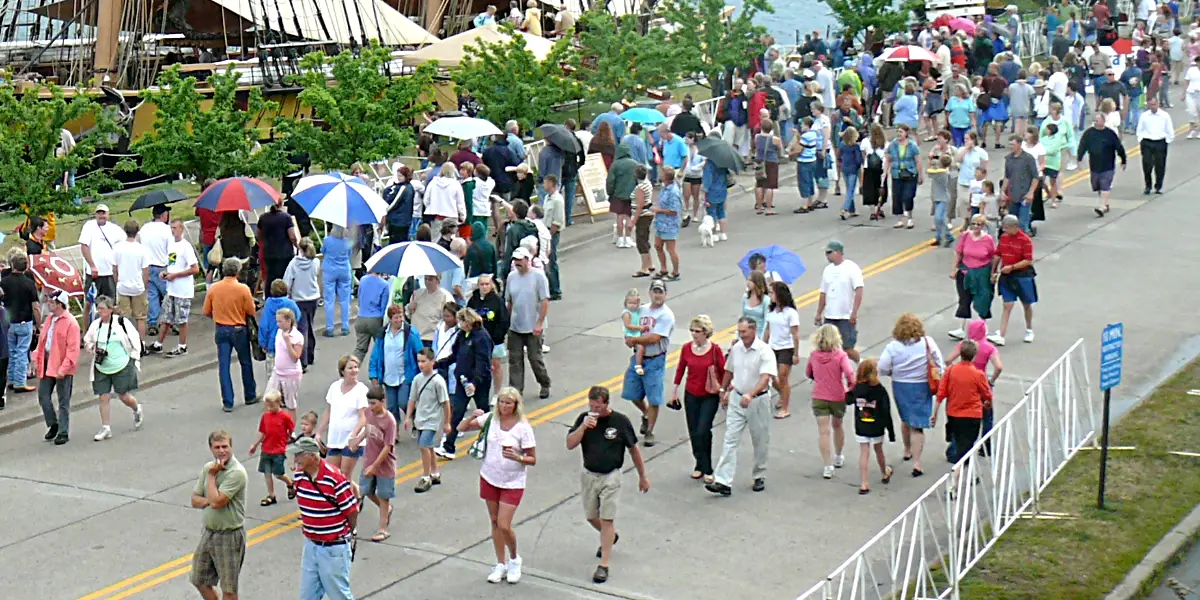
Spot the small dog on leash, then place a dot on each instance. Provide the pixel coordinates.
(708, 237)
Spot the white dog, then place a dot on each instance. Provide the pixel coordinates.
(708, 237)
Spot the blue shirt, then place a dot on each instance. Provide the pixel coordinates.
(451, 278)
(810, 141)
(669, 199)
(516, 146)
(393, 356)
(970, 161)
(906, 111)
(714, 183)
(851, 156)
(674, 151)
(794, 90)
(637, 149)
(335, 255)
(960, 110)
(614, 120)
(373, 295)
(908, 161)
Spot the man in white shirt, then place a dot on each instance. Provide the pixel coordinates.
(824, 77)
(1154, 132)
(943, 53)
(1057, 83)
(841, 296)
(96, 242)
(181, 289)
(131, 269)
(749, 370)
(156, 236)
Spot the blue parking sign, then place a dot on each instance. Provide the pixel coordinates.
(1112, 342)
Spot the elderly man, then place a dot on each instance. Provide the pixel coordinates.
(221, 494)
(614, 120)
(527, 296)
(229, 303)
(485, 18)
(96, 241)
(1012, 270)
(749, 370)
(515, 144)
(328, 515)
(1154, 132)
(644, 387)
(1102, 146)
(674, 149)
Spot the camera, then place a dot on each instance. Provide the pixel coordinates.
(101, 354)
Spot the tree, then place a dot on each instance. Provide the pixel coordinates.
(363, 114)
(218, 141)
(715, 43)
(857, 15)
(31, 168)
(617, 62)
(511, 83)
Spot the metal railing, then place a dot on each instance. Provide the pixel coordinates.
(926, 550)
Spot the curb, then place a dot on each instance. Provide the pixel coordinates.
(1162, 555)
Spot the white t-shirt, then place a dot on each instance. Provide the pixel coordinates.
(180, 257)
(1037, 151)
(838, 283)
(343, 412)
(779, 324)
(661, 321)
(101, 241)
(156, 236)
(976, 192)
(496, 469)
(1193, 78)
(130, 258)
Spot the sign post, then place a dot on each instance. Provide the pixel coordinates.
(1112, 342)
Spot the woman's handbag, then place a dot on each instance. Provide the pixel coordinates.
(935, 375)
(478, 447)
(711, 384)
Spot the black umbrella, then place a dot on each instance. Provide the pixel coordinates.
(561, 137)
(157, 197)
(720, 153)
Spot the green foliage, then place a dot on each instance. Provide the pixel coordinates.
(216, 142)
(857, 15)
(31, 123)
(712, 43)
(511, 83)
(618, 62)
(362, 114)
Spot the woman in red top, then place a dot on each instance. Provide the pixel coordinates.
(704, 364)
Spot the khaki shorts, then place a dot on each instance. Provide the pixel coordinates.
(600, 493)
(133, 307)
(218, 559)
(825, 408)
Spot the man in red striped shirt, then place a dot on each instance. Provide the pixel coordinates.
(1012, 270)
(329, 514)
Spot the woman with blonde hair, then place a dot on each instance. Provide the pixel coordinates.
(909, 359)
(344, 418)
(1112, 116)
(832, 374)
(510, 449)
(703, 363)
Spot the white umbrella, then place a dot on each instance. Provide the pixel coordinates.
(909, 54)
(462, 128)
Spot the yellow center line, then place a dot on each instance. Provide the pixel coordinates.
(181, 566)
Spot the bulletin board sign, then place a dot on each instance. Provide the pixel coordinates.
(593, 178)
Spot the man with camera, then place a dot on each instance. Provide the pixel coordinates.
(329, 515)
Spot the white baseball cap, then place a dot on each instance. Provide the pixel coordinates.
(63, 298)
(102, 208)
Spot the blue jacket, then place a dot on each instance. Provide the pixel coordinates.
(714, 183)
(412, 345)
(550, 162)
(267, 326)
(473, 358)
(336, 253)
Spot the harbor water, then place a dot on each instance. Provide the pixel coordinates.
(804, 16)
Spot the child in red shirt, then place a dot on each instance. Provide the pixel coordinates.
(275, 428)
(966, 391)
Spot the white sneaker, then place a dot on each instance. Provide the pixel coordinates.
(1191, 134)
(104, 434)
(138, 418)
(996, 339)
(838, 461)
(628, 243)
(828, 474)
(441, 452)
(497, 574)
(1072, 165)
(957, 334)
(722, 237)
(1028, 336)
(545, 349)
(514, 570)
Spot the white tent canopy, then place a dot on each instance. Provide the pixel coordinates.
(615, 7)
(450, 51)
(377, 18)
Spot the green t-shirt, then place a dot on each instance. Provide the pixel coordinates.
(117, 357)
(231, 481)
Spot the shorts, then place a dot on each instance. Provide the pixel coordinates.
(1018, 288)
(499, 351)
(641, 232)
(666, 236)
(784, 356)
(106, 285)
(122, 382)
(347, 452)
(491, 493)
(648, 387)
(620, 206)
(693, 180)
(827, 408)
(848, 331)
(868, 440)
(133, 307)
(599, 492)
(272, 464)
(288, 387)
(218, 559)
(1102, 181)
(716, 210)
(383, 488)
(1050, 173)
(175, 310)
(427, 438)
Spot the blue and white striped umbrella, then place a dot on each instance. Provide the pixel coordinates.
(339, 199)
(412, 259)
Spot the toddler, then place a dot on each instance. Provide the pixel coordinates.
(990, 205)
(428, 414)
(631, 318)
(273, 430)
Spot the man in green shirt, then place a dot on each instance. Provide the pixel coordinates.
(221, 493)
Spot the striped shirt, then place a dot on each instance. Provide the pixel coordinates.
(324, 522)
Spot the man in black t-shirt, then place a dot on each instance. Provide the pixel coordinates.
(277, 237)
(21, 305)
(605, 436)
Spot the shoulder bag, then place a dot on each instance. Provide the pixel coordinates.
(935, 375)
(711, 384)
(256, 350)
(478, 447)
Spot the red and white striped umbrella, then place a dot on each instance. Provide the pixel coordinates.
(56, 273)
(909, 54)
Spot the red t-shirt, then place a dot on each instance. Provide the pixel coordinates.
(1014, 248)
(209, 221)
(757, 102)
(277, 428)
(696, 368)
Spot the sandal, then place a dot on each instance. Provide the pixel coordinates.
(802, 210)
(782, 415)
(268, 501)
(909, 225)
(672, 277)
(862, 491)
(907, 457)
(770, 212)
(697, 474)
(709, 479)
(887, 477)
(292, 491)
(643, 274)
(380, 536)
(819, 204)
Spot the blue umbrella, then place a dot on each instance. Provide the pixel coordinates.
(413, 259)
(339, 199)
(645, 116)
(782, 263)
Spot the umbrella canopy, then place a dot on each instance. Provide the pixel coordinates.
(462, 128)
(645, 116)
(412, 259)
(237, 193)
(156, 198)
(782, 264)
(56, 273)
(560, 136)
(720, 152)
(449, 52)
(909, 54)
(964, 25)
(1123, 46)
(339, 199)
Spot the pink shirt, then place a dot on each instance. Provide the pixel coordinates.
(285, 366)
(832, 374)
(976, 253)
(497, 470)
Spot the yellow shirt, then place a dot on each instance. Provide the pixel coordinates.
(533, 21)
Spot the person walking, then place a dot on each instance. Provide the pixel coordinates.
(872, 418)
(841, 296)
(874, 177)
(768, 148)
(344, 417)
(156, 237)
(472, 369)
(20, 299)
(1013, 272)
(966, 392)
(301, 279)
(328, 516)
(643, 220)
(374, 294)
(1191, 93)
(55, 359)
(604, 435)
(1102, 146)
(714, 191)
(221, 494)
(491, 307)
(277, 237)
(117, 351)
(97, 238)
(667, 221)
(645, 388)
(378, 482)
(509, 449)
(336, 276)
(1020, 182)
(903, 164)
(182, 266)
(131, 271)
(703, 365)
(910, 359)
(986, 354)
(783, 335)
(1155, 132)
(832, 375)
(556, 219)
(527, 297)
(394, 361)
(972, 274)
(749, 371)
(229, 304)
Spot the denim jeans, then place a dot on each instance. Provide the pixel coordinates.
(1021, 210)
(20, 335)
(568, 192)
(229, 339)
(337, 290)
(1135, 113)
(325, 572)
(851, 180)
(806, 179)
(397, 400)
(939, 221)
(459, 401)
(156, 291)
(787, 128)
(552, 273)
